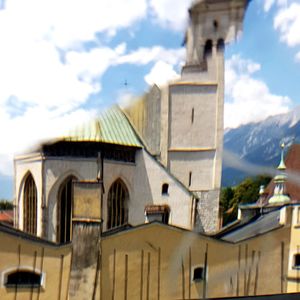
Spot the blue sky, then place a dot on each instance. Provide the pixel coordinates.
(61, 61)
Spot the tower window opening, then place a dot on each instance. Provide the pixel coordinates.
(220, 45)
(208, 48)
(165, 189)
(193, 114)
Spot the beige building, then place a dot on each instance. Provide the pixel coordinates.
(257, 258)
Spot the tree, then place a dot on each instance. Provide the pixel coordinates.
(246, 192)
(6, 204)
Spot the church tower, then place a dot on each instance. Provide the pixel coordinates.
(182, 123)
(196, 104)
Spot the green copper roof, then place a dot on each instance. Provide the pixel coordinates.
(112, 126)
(281, 164)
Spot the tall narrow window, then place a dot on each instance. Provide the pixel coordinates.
(64, 211)
(190, 178)
(165, 189)
(215, 25)
(193, 113)
(30, 206)
(117, 204)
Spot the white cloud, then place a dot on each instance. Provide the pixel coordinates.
(248, 99)
(268, 4)
(161, 73)
(143, 56)
(46, 73)
(297, 57)
(29, 129)
(287, 22)
(171, 13)
(67, 22)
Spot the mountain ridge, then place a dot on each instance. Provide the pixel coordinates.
(259, 143)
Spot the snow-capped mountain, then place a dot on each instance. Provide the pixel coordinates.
(259, 143)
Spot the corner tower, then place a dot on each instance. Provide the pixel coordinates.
(196, 104)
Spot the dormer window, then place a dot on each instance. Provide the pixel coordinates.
(165, 189)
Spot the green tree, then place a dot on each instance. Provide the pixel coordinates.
(6, 204)
(246, 192)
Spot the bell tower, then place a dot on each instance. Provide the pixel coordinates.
(196, 104)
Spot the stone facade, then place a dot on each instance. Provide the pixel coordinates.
(192, 108)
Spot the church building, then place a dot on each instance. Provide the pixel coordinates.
(161, 156)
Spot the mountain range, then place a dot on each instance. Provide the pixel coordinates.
(259, 143)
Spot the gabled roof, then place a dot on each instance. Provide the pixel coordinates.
(19, 234)
(111, 126)
(258, 225)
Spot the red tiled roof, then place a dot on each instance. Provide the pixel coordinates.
(7, 216)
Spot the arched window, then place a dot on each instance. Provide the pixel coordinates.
(23, 278)
(117, 204)
(64, 211)
(165, 189)
(208, 48)
(30, 206)
(220, 45)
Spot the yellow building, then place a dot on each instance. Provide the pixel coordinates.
(32, 268)
(158, 261)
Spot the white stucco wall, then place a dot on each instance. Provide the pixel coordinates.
(149, 178)
(144, 180)
(200, 164)
(201, 131)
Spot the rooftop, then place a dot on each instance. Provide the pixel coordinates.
(112, 126)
